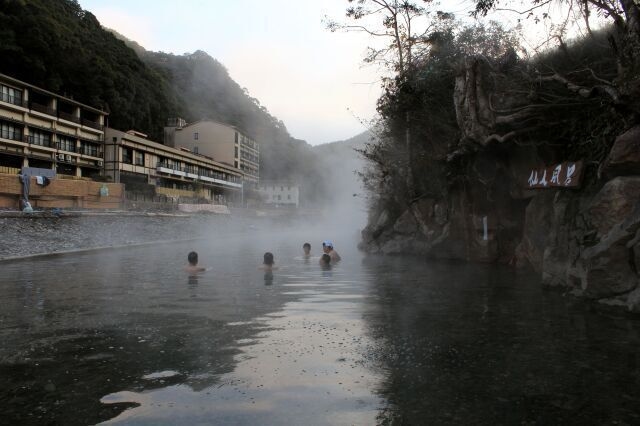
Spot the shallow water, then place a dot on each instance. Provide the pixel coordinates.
(126, 337)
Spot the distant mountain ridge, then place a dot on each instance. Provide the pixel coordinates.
(357, 141)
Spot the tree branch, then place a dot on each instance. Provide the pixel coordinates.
(524, 11)
(585, 92)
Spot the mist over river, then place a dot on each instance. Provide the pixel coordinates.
(127, 337)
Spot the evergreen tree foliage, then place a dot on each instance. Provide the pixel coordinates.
(56, 45)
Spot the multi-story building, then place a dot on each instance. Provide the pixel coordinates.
(136, 161)
(280, 193)
(222, 142)
(41, 129)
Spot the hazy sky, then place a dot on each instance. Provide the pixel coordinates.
(308, 77)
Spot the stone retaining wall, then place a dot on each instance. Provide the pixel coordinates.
(61, 193)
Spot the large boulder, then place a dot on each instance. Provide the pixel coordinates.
(403, 245)
(378, 223)
(608, 268)
(630, 301)
(423, 213)
(614, 203)
(624, 157)
(562, 247)
(406, 224)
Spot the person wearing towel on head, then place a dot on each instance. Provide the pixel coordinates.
(327, 247)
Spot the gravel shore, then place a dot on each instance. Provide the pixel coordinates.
(34, 234)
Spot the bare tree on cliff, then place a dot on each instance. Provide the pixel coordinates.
(403, 27)
(622, 92)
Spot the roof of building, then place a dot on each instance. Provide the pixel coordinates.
(17, 82)
(209, 120)
(182, 152)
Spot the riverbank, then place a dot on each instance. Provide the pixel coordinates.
(55, 231)
(47, 233)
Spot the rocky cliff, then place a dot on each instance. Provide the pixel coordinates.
(584, 238)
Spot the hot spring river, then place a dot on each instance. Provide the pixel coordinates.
(126, 337)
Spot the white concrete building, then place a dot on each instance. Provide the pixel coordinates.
(280, 193)
(222, 142)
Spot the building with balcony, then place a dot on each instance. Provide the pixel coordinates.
(41, 129)
(222, 142)
(139, 163)
(279, 193)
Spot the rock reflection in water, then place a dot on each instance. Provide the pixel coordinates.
(464, 343)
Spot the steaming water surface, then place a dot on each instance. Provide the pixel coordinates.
(127, 337)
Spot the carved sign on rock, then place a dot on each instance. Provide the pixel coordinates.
(563, 175)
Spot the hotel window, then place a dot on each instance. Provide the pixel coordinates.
(279, 198)
(127, 155)
(236, 137)
(66, 144)
(139, 158)
(195, 136)
(195, 149)
(11, 95)
(288, 197)
(37, 137)
(88, 149)
(236, 149)
(10, 131)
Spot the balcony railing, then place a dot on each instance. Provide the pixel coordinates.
(201, 173)
(32, 140)
(15, 136)
(5, 97)
(43, 109)
(188, 169)
(92, 124)
(69, 147)
(90, 150)
(68, 117)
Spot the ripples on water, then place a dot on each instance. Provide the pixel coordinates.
(127, 337)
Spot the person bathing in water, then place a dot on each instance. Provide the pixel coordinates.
(268, 262)
(306, 248)
(327, 248)
(193, 267)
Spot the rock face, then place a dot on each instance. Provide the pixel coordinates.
(537, 227)
(624, 157)
(615, 202)
(585, 239)
(609, 268)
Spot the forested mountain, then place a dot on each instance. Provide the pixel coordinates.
(56, 45)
